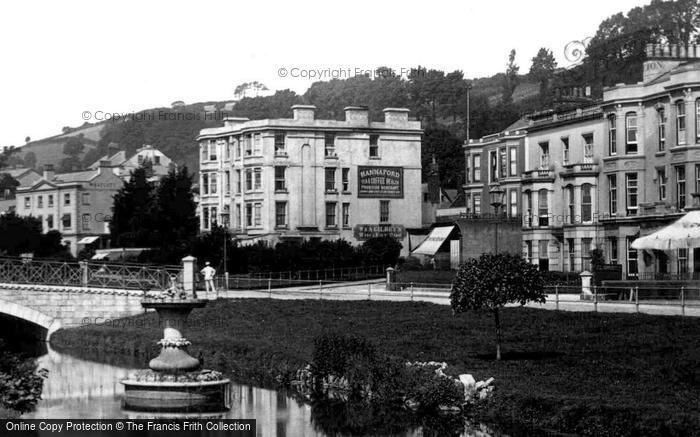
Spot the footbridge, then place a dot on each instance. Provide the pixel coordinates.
(38, 297)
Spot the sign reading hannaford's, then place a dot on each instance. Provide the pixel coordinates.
(365, 232)
(380, 182)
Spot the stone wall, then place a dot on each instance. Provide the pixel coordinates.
(479, 236)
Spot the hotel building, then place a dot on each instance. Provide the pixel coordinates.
(77, 204)
(651, 160)
(300, 178)
(603, 175)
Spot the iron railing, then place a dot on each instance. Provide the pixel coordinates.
(86, 274)
(299, 278)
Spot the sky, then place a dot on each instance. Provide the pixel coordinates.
(61, 59)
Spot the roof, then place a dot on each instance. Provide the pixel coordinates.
(115, 160)
(78, 176)
(17, 172)
(521, 123)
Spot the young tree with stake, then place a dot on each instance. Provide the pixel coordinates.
(492, 281)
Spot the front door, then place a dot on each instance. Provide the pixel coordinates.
(661, 264)
(696, 263)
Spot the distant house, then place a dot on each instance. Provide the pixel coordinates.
(25, 177)
(177, 104)
(147, 155)
(78, 204)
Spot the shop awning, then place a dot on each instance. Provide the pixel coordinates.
(432, 244)
(88, 240)
(684, 233)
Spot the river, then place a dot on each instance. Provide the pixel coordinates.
(79, 388)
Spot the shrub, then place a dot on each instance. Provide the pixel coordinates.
(430, 391)
(411, 263)
(332, 352)
(20, 383)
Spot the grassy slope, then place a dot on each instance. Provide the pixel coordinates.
(50, 150)
(557, 365)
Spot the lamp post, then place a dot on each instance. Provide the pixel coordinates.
(496, 197)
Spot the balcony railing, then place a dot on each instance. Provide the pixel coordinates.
(539, 174)
(582, 167)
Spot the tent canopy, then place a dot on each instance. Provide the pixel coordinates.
(432, 244)
(88, 240)
(684, 233)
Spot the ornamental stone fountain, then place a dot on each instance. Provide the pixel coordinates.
(175, 381)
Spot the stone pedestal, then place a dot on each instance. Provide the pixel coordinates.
(174, 381)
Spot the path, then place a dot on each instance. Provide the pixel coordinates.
(376, 290)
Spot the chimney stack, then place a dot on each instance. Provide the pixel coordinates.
(234, 122)
(112, 149)
(396, 117)
(304, 112)
(357, 115)
(48, 172)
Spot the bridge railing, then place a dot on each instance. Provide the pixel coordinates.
(87, 274)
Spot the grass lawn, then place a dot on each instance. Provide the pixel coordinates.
(586, 373)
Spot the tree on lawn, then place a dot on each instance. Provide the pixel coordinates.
(492, 281)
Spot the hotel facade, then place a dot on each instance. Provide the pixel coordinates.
(300, 178)
(600, 176)
(78, 204)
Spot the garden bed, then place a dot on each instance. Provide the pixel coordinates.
(585, 373)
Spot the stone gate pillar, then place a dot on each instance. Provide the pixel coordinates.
(586, 283)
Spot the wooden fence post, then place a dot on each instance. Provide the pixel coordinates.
(636, 297)
(682, 300)
(556, 293)
(595, 298)
(411, 291)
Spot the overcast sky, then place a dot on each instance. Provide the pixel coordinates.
(60, 58)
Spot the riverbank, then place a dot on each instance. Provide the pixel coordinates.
(586, 373)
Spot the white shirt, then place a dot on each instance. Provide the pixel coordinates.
(208, 272)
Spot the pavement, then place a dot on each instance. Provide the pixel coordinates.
(376, 290)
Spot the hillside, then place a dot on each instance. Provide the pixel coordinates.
(173, 130)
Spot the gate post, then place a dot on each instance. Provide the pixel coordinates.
(390, 278)
(83, 273)
(188, 275)
(586, 284)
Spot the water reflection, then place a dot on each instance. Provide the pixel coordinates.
(83, 389)
(78, 388)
